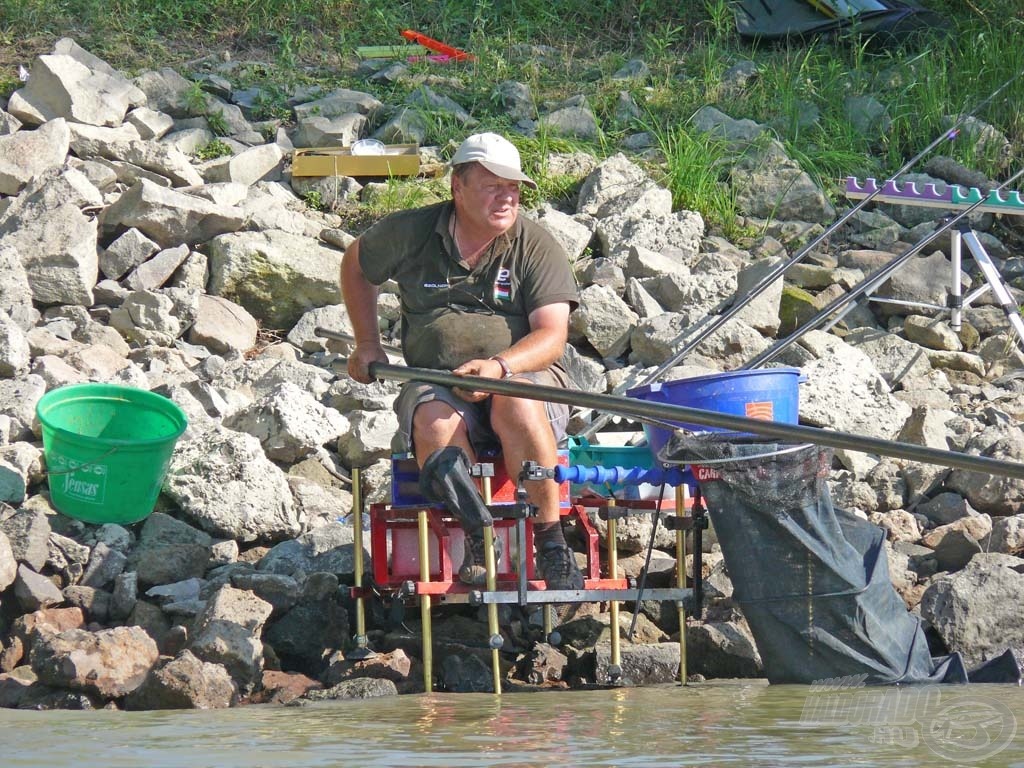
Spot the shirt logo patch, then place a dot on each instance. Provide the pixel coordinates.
(503, 285)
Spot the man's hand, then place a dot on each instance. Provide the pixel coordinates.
(488, 369)
(360, 359)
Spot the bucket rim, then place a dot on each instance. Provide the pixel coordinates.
(99, 391)
(713, 377)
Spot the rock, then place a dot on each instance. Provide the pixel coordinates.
(224, 481)
(306, 633)
(62, 85)
(541, 664)
(15, 290)
(328, 549)
(604, 320)
(644, 664)
(169, 550)
(975, 611)
(170, 217)
(275, 275)
(945, 508)
(128, 251)
(109, 663)
(8, 563)
(369, 437)
(227, 633)
(58, 249)
(95, 603)
(223, 326)
(27, 154)
(289, 423)
(362, 688)
(156, 271)
(465, 674)
(722, 649)
(991, 493)
(34, 591)
(105, 565)
(844, 391)
(185, 682)
(285, 687)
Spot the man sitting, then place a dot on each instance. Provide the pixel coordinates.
(483, 293)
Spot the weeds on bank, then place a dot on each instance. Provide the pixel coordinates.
(800, 92)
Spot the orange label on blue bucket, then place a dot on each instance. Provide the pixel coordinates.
(765, 411)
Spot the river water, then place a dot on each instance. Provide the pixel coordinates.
(729, 723)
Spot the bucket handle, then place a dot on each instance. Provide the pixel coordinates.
(738, 459)
(97, 460)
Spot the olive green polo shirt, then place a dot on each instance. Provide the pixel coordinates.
(450, 313)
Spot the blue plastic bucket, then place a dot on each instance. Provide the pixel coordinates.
(771, 394)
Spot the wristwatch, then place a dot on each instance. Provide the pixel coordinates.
(506, 372)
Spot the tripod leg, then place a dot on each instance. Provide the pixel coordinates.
(995, 281)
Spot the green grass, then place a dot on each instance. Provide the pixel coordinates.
(688, 45)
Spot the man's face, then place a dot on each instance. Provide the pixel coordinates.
(488, 201)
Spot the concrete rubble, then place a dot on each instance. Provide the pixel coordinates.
(124, 258)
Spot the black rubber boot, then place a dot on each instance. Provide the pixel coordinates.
(446, 479)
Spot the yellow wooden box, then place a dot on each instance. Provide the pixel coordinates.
(397, 160)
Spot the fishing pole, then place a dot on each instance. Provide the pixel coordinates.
(947, 135)
(643, 410)
(876, 278)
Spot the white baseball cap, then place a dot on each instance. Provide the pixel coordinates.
(495, 153)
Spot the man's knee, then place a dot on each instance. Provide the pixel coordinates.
(515, 415)
(436, 418)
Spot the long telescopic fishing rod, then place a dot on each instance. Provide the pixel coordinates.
(947, 135)
(659, 413)
(876, 278)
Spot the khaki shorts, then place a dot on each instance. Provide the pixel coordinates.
(476, 416)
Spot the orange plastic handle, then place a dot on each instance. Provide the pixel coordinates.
(437, 46)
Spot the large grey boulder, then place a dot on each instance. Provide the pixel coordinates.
(227, 632)
(110, 663)
(34, 591)
(260, 163)
(639, 664)
(328, 549)
(289, 423)
(128, 251)
(275, 275)
(28, 532)
(223, 326)
(61, 85)
(15, 290)
(340, 102)
(15, 354)
(224, 481)
(185, 682)
(26, 154)
(976, 611)
(169, 550)
(55, 239)
(844, 391)
(994, 494)
(171, 217)
(604, 320)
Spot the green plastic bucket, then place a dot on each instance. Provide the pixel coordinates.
(107, 449)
